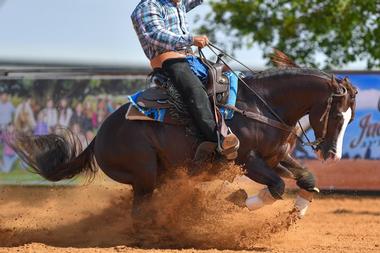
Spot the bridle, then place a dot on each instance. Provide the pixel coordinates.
(280, 124)
(325, 121)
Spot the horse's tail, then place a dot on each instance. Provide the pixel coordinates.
(56, 156)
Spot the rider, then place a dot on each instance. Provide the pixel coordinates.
(162, 29)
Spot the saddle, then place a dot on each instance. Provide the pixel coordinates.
(154, 103)
(157, 96)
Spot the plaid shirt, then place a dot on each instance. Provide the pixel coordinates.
(161, 25)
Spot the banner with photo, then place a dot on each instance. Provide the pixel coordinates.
(45, 106)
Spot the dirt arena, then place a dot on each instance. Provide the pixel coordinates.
(189, 215)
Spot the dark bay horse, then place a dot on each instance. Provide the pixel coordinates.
(138, 152)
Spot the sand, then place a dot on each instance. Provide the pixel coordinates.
(185, 215)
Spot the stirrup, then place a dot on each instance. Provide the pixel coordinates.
(229, 145)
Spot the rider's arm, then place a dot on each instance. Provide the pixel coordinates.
(149, 22)
(191, 4)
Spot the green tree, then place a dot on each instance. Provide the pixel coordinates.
(342, 30)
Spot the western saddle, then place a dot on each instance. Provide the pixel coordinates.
(218, 90)
(156, 96)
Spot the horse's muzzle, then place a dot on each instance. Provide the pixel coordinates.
(333, 156)
(324, 154)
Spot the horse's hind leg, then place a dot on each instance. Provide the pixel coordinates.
(141, 195)
(144, 183)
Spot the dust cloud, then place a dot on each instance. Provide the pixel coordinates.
(188, 210)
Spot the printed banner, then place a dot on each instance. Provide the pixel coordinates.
(362, 138)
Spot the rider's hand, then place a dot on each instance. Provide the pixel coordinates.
(200, 41)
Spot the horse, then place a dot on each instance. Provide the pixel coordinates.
(138, 153)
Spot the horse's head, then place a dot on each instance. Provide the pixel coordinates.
(330, 117)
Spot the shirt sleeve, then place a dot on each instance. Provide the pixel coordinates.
(191, 4)
(148, 21)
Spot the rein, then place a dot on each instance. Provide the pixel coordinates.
(280, 124)
(260, 118)
(245, 84)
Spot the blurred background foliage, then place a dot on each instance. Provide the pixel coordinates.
(75, 89)
(342, 31)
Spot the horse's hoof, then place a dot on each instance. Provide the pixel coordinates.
(238, 198)
(316, 190)
(205, 151)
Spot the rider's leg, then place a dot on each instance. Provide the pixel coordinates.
(260, 172)
(194, 95)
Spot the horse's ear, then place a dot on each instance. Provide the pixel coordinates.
(281, 60)
(347, 84)
(333, 83)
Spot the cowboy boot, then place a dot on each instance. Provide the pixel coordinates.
(229, 146)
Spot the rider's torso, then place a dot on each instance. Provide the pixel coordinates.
(171, 16)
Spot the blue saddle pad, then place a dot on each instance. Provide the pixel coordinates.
(154, 113)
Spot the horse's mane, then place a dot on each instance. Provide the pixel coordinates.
(281, 60)
(285, 65)
(276, 72)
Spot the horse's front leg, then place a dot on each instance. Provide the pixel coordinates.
(304, 179)
(260, 172)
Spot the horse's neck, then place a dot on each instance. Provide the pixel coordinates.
(292, 97)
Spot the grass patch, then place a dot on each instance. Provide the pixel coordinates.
(18, 174)
(22, 175)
